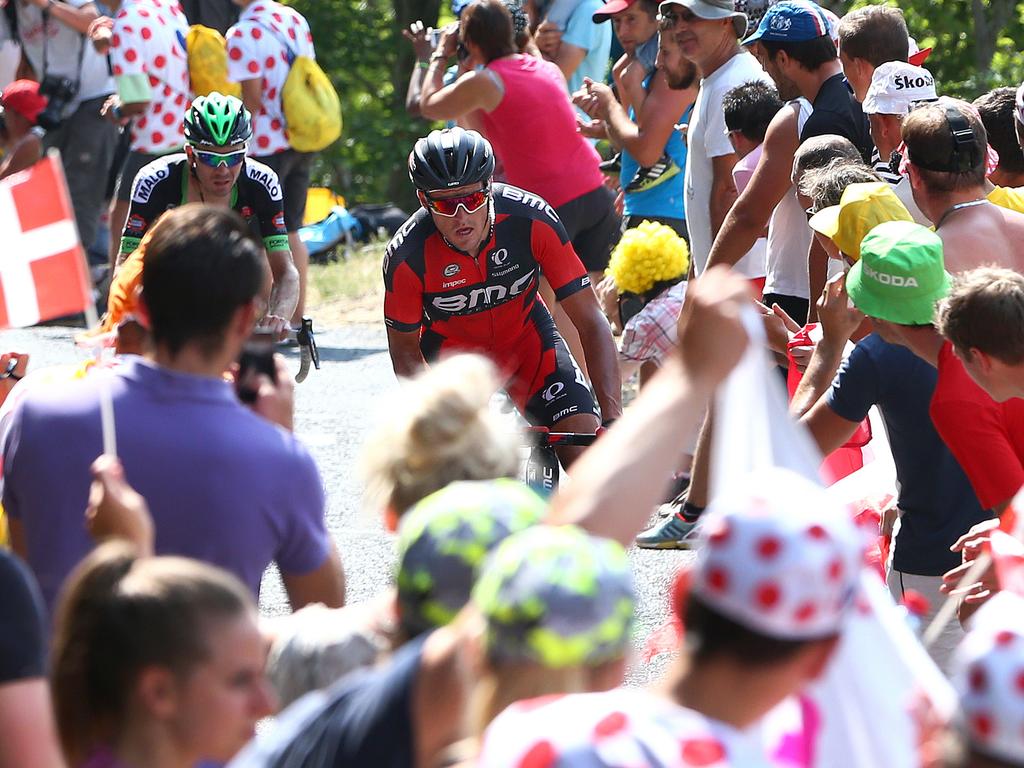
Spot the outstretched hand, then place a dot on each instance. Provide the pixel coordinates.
(420, 36)
(115, 509)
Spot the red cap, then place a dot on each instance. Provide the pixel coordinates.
(917, 59)
(610, 8)
(22, 96)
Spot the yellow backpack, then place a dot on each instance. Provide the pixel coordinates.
(208, 62)
(312, 109)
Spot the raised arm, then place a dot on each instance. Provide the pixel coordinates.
(618, 481)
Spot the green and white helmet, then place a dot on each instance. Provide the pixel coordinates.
(217, 120)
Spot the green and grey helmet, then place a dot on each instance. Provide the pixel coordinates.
(444, 538)
(217, 120)
(556, 596)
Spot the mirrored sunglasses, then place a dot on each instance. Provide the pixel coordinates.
(449, 206)
(215, 159)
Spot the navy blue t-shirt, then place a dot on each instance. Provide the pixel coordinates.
(22, 646)
(364, 720)
(936, 501)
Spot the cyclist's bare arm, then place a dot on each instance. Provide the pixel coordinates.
(599, 349)
(406, 357)
(284, 294)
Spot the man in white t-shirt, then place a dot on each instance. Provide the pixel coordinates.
(150, 66)
(77, 82)
(708, 32)
(261, 48)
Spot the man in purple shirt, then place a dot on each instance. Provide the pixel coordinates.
(224, 484)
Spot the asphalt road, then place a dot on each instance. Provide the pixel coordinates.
(336, 408)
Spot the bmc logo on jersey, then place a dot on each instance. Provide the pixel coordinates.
(451, 270)
(144, 185)
(527, 198)
(478, 299)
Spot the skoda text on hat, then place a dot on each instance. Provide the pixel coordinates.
(897, 87)
(791, 22)
(901, 274)
(779, 557)
(989, 677)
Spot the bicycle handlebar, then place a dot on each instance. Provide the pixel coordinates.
(308, 352)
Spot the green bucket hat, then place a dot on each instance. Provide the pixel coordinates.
(443, 540)
(556, 596)
(900, 275)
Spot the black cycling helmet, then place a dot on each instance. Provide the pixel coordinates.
(450, 158)
(217, 120)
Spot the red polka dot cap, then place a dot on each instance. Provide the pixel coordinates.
(989, 677)
(779, 557)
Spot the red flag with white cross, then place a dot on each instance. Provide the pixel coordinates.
(42, 266)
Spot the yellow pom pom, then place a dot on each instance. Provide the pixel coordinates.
(646, 255)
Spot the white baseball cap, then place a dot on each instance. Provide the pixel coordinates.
(896, 87)
(989, 677)
(779, 556)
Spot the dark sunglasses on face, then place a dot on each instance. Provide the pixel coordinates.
(670, 18)
(215, 159)
(471, 202)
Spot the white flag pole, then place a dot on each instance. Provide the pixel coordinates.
(91, 321)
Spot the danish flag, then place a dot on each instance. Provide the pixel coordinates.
(42, 266)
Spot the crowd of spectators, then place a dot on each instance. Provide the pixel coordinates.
(837, 210)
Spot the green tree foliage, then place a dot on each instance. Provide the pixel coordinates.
(975, 41)
(359, 44)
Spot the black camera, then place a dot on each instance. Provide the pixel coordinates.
(59, 92)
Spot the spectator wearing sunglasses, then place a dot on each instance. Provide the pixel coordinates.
(214, 170)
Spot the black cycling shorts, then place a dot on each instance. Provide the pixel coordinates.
(292, 169)
(593, 226)
(540, 375)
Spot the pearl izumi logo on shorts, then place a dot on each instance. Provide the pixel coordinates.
(897, 281)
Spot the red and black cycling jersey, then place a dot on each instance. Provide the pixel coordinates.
(484, 301)
(163, 184)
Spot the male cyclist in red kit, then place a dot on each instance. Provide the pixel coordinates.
(461, 276)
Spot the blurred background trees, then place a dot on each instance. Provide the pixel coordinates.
(359, 44)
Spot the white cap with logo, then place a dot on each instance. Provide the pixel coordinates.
(897, 87)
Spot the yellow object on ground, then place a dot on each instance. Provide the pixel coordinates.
(319, 202)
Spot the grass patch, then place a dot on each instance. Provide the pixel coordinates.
(347, 291)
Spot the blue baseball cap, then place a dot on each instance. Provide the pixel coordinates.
(458, 5)
(791, 22)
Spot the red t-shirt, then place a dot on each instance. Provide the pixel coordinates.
(986, 437)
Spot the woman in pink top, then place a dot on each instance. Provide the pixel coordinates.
(526, 114)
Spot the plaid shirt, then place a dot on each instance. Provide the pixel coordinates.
(651, 333)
